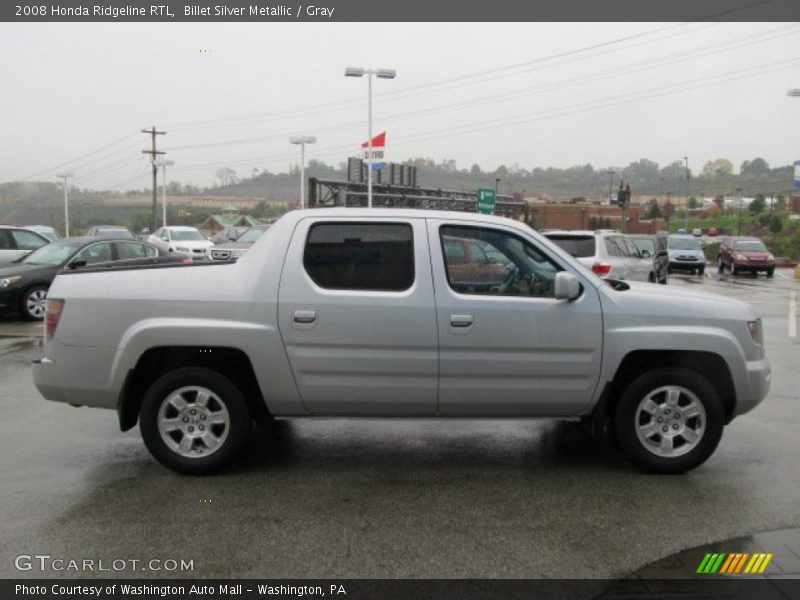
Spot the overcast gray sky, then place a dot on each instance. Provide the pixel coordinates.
(706, 90)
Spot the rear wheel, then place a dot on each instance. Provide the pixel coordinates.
(194, 420)
(770, 272)
(669, 420)
(33, 303)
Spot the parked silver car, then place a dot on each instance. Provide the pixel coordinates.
(607, 253)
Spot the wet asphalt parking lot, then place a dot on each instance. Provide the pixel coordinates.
(404, 498)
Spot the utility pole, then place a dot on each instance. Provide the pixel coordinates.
(153, 153)
(66, 176)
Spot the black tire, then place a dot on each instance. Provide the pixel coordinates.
(770, 272)
(29, 308)
(651, 278)
(701, 272)
(625, 420)
(720, 266)
(227, 394)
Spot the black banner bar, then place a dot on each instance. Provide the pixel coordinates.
(729, 588)
(399, 10)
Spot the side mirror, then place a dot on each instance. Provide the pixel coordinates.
(77, 264)
(645, 253)
(567, 287)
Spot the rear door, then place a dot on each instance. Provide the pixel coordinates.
(357, 316)
(511, 348)
(639, 268)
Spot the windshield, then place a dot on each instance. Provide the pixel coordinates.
(645, 244)
(187, 235)
(251, 235)
(676, 243)
(115, 233)
(51, 254)
(577, 246)
(751, 246)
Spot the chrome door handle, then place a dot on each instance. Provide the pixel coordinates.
(305, 316)
(461, 320)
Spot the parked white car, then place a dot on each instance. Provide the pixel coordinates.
(180, 239)
(607, 253)
(16, 242)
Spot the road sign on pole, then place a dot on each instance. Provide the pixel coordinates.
(486, 201)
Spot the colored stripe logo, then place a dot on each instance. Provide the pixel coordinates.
(734, 563)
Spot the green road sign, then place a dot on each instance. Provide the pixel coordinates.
(486, 200)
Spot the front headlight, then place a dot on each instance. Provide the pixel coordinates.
(756, 331)
(7, 282)
(237, 252)
(740, 257)
(182, 249)
(770, 257)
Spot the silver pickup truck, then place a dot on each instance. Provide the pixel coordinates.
(380, 313)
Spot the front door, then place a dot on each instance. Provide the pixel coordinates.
(357, 316)
(507, 346)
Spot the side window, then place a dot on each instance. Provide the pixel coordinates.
(612, 247)
(132, 250)
(630, 248)
(360, 256)
(5, 239)
(96, 253)
(516, 268)
(27, 240)
(454, 251)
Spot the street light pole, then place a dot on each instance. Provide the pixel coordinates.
(686, 207)
(610, 173)
(496, 185)
(164, 164)
(739, 219)
(302, 141)
(66, 175)
(380, 74)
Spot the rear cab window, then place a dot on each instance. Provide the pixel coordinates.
(360, 256)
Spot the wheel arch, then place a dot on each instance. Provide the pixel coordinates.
(707, 364)
(233, 363)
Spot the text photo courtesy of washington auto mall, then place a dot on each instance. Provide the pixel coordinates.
(369, 300)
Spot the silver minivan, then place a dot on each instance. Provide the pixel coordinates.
(607, 253)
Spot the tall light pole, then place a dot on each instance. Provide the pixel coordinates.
(686, 207)
(380, 74)
(66, 175)
(610, 173)
(302, 141)
(164, 164)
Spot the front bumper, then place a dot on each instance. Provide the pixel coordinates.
(686, 265)
(759, 378)
(753, 267)
(9, 301)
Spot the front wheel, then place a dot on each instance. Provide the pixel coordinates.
(669, 420)
(770, 272)
(194, 420)
(33, 303)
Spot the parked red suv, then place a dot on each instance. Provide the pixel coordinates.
(745, 254)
